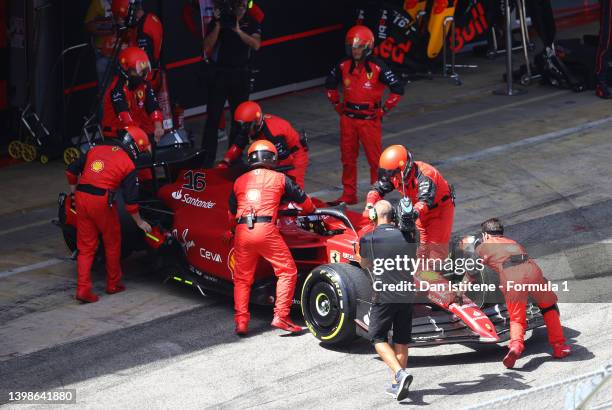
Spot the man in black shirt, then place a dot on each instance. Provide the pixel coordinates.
(393, 295)
(229, 43)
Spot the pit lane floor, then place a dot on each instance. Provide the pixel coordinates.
(160, 345)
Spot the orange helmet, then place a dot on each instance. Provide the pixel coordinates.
(394, 160)
(135, 140)
(262, 153)
(134, 58)
(249, 117)
(359, 36)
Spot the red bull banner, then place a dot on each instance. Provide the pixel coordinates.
(410, 34)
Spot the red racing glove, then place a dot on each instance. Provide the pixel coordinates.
(126, 118)
(391, 102)
(157, 116)
(333, 96)
(222, 165)
(232, 154)
(339, 108)
(307, 206)
(372, 197)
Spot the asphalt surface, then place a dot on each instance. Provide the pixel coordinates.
(539, 161)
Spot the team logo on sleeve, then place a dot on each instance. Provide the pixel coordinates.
(97, 166)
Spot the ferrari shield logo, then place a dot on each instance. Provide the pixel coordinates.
(115, 149)
(140, 94)
(347, 82)
(334, 257)
(231, 261)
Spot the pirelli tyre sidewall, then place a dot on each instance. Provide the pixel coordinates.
(328, 301)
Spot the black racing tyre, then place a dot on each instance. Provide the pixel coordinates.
(69, 233)
(329, 301)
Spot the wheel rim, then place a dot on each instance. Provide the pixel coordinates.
(29, 153)
(70, 155)
(324, 305)
(44, 159)
(15, 149)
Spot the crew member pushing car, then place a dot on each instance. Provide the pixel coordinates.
(253, 206)
(510, 260)
(292, 149)
(363, 80)
(432, 196)
(99, 174)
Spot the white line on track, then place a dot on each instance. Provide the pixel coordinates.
(22, 227)
(27, 268)
(521, 143)
(500, 148)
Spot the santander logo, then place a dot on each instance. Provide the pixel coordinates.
(191, 200)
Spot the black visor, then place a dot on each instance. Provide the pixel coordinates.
(262, 158)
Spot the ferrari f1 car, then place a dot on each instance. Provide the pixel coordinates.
(188, 207)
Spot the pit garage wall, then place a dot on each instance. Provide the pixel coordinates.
(301, 42)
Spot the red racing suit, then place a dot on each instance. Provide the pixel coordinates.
(292, 148)
(511, 262)
(124, 105)
(100, 173)
(361, 112)
(258, 193)
(148, 35)
(433, 199)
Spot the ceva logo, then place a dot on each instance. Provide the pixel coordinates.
(211, 256)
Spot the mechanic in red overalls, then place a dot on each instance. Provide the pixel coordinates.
(130, 99)
(292, 149)
(99, 174)
(253, 206)
(363, 79)
(512, 263)
(432, 196)
(144, 30)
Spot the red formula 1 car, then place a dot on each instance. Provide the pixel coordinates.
(188, 206)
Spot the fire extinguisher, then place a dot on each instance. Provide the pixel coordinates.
(164, 102)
